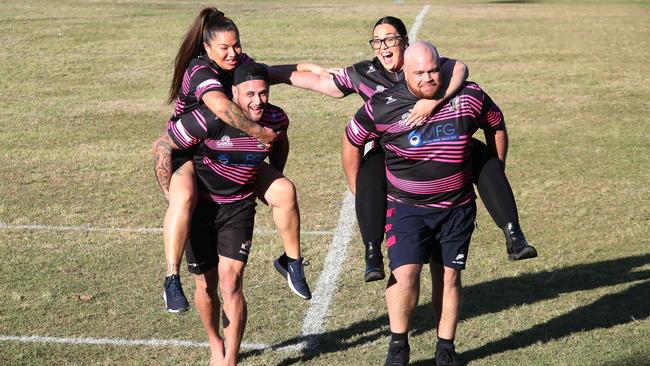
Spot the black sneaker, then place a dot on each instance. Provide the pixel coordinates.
(175, 300)
(295, 275)
(374, 263)
(446, 356)
(516, 244)
(398, 354)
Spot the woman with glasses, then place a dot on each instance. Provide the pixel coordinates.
(389, 41)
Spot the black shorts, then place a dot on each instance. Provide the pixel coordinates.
(415, 234)
(180, 157)
(219, 229)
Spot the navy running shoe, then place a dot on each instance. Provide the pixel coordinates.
(398, 354)
(295, 275)
(175, 300)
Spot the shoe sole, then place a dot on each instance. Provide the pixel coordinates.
(374, 275)
(526, 253)
(173, 311)
(285, 274)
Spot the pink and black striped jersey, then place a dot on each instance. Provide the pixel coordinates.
(202, 76)
(428, 165)
(369, 77)
(227, 161)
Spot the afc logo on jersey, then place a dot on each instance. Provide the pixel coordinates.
(371, 68)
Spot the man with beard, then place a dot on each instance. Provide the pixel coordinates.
(431, 202)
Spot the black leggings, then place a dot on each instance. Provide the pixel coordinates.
(488, 175)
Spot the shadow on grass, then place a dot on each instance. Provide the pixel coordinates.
(502, 294)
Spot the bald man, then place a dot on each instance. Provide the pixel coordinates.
(431, 202)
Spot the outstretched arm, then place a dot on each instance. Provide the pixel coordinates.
(351, 159)
(162, 159)
(306, 76)
(230, 113)
(454, 74)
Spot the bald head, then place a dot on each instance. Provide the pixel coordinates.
(422, 70)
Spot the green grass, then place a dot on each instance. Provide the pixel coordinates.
(83, 87)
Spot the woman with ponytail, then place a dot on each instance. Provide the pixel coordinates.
(202, 89)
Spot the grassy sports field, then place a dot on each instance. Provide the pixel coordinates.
(83, 87)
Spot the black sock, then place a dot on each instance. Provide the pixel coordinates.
(399, 337)
(291, 260)
(445, 343)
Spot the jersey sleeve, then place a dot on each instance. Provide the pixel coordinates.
(276, 119)
(191, 128)
(361, 128)
(203, 79)
(345, 82)
(491, 116)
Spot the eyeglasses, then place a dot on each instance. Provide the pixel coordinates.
(389, 41)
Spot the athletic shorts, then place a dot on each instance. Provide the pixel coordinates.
(219, 229)
(180, 157)
(415, 234)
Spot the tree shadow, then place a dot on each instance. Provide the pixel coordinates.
(503, 294)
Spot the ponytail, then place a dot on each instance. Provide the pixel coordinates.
(206, 25)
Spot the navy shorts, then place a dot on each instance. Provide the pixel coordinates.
(219, 229)
(415, 234)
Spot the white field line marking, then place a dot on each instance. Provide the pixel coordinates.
(122, 342)
(312, 326)
(314, 320)
(325, 288)
(146, 230)
(418, 23)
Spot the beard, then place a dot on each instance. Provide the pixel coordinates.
(424, 93)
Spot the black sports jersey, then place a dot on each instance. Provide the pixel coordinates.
(369, 77)
(227, 161)
(203, 75)
(428, 165)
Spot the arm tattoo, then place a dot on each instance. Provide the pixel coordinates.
(162, 158)
(237, 119)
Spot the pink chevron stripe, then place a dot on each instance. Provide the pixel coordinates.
(185, 139)
(391, 241)
(369, 111)
(447, 184)
(366, 90)
(224, 199)
(199, 118)
(444, 205)
(236, 174)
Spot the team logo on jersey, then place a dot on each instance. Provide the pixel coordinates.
(370, 69)
(223, 159)
(245, 247)
(454, 104)
(260, 145)
(390, 99)
(224, 142)
(428, 134)
(380, 88)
